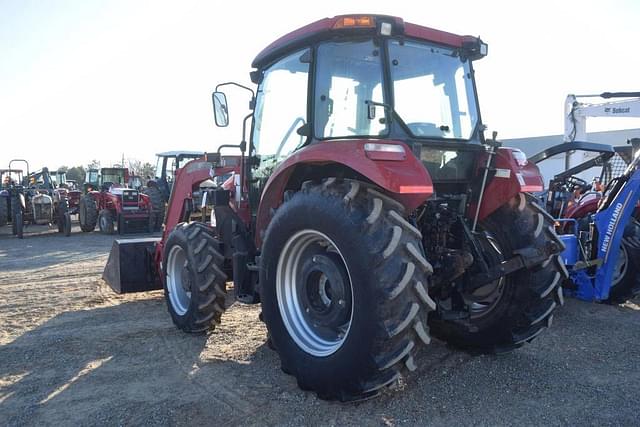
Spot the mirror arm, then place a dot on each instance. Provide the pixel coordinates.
(242, 146)
(237, 85)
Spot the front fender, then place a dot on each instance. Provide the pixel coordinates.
(402, 177)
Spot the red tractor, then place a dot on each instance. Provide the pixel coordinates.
(366, 212)
(113, 204)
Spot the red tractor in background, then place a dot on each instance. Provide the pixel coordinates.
(113, 204)
(66, 198)
(366, 211)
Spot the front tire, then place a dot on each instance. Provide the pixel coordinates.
(523, 302)
(344, 289)
(67, 224)
(17, 221)
(4, 211)
(194, 282)
(626, 278)
(61, 210)
(105, 221)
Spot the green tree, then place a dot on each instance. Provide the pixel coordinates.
(147, 171)
(76, 173)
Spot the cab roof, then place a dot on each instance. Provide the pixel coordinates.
(181, 153)
(328, 27)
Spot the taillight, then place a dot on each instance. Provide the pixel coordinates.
(381, 151)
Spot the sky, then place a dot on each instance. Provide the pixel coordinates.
(103, 80)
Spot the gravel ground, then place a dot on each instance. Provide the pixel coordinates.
(72, 352)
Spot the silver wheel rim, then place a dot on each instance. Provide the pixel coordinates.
(293, 289)
(483, 300)
(622, 263)
(177, 286)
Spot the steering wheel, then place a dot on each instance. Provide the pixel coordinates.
(287, 134)
(427, 129)
(581, 184)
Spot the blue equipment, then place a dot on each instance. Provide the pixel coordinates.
(602, 248)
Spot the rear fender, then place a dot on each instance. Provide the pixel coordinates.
(510, 178)
(402, 177)
(583, 208)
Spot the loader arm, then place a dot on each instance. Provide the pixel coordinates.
(610, 223)
(187, 178)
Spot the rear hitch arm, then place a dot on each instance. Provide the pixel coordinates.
(524, 258)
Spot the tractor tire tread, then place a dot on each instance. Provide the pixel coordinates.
(91, 213)
(402, 312)
(208, 292)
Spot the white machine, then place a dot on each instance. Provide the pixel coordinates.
(621, 104)
(627, 104)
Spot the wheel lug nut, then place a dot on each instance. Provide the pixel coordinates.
(307, 309)
(341, 302)
(314, 259)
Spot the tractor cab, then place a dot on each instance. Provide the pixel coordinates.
(91, 180)
(41, 181)
(10, 177)
(167, 164)
(60, 180)
(105, 178)
(113, 178)
(371, 78)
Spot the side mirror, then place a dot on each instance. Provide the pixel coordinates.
(220, 111)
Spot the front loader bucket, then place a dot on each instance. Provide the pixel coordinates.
(130, 267)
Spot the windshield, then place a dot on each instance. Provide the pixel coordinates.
(114, 176)
(92, 176)
(433, 90)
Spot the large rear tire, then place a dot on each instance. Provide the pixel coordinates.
(515, 309)
(194, 282)
(344, 285)
(88, 213)
(4, 211)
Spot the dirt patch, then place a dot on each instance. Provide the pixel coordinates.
(72, 352)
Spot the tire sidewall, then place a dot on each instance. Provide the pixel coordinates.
(332, 219)
(179, 238)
